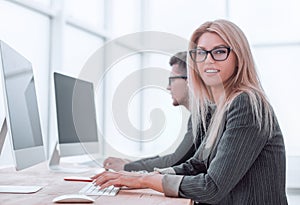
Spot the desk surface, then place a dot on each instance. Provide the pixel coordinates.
(54, 185)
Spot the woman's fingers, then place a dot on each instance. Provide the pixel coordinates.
(105, 177)
(129, 179)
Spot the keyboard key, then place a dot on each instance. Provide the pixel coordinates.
(93, 190)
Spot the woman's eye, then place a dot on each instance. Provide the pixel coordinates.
(220, 51)
(201, 52)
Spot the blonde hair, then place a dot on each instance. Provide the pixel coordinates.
(245, 79)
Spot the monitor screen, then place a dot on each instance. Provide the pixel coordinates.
(22, 114)
(76, 116)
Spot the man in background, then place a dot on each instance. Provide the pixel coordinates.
(179, 91)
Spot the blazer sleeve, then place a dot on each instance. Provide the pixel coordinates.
(184, 151)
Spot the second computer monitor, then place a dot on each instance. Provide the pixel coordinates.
(76, 116)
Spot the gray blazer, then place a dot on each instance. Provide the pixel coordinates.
(184, 151)
(246, 167)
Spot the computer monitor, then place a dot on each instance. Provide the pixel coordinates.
(22, 115)
(76, 118)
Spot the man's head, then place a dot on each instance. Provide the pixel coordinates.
(178, 80)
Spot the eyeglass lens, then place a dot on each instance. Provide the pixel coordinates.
(176, 77)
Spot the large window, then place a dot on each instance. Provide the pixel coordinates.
(53, 36)
(28, 32)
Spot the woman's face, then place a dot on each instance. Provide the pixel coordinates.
(215, 73)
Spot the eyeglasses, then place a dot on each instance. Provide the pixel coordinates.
(176, 77)
(218, 54)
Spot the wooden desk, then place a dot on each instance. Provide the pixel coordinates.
(54, 185)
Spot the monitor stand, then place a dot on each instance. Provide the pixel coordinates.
(19, 189)
(12, 188)
(3, 133)
(54, 163)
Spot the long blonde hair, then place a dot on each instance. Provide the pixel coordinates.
(245, 79)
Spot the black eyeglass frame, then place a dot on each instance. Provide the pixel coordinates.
(177, 77)
(193, 51)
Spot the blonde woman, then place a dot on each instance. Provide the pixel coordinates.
(242, 149)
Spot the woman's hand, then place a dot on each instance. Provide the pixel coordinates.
(121, 178)
(129, 179)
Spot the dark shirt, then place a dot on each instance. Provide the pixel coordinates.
(184, 151)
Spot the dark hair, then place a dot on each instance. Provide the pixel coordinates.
(179, 59)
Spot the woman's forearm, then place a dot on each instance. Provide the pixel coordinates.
(153, 181)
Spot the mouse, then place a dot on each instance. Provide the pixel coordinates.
(73, 198)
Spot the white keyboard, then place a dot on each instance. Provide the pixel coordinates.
(93, 190)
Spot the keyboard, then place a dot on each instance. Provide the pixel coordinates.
(93, 190)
